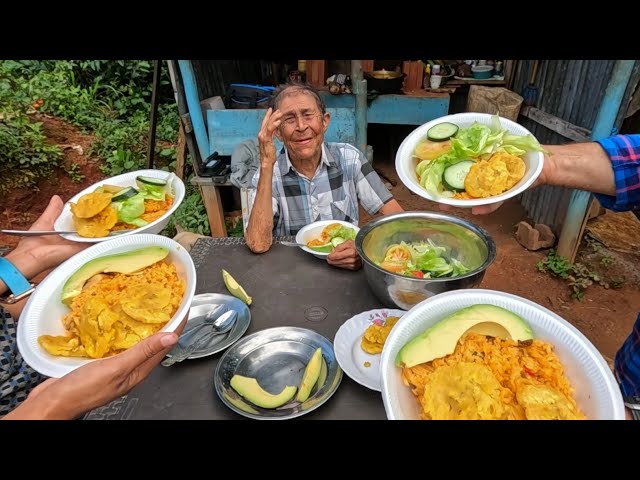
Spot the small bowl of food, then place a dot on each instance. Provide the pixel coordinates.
(104, 300)
(411, 256)
(488, 355)
(469, 159)
(320, 238)
(132, 203)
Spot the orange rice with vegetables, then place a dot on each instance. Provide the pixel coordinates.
(493, 378)
(115, 311)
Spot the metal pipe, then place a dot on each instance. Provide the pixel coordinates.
(153, 121)
(193, 103)
(605, 120)
(360, 90)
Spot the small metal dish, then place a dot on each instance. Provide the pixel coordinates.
(276, 357)
(219, 342)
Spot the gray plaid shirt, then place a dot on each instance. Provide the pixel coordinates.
(343, 178)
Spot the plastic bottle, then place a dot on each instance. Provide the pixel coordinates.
(426, 81)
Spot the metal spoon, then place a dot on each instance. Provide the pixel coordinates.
(220, 325)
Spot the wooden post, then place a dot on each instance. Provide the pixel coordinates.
(181, 153)
(316, 72)
(213, 205)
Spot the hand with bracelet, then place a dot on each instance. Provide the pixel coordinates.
(33, 256)
(24, 393)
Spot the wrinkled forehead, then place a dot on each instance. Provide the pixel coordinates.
(295, 100)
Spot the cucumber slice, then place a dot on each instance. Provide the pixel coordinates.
(442, 131)
(156, 182)
(124, 194)
(453, 176)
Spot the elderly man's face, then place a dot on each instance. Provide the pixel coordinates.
(303, 126)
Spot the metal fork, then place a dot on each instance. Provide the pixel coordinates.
(36, 233)
(291, 244)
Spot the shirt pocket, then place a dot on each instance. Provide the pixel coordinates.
(343, 210)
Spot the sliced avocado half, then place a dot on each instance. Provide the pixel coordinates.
(310, 375)
(250, 389)
(441, 339)
(126, 262)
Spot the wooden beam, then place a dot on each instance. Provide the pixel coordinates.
(558, 125)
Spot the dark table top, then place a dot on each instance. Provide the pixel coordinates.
(289, 287)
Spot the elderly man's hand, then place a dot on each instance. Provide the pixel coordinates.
(345, 256)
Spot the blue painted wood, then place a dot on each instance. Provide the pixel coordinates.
(406, 110)
(394, 109)
(193, 104)
(227, 128)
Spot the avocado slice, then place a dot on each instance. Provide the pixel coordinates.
(328, 247)
(235, 288)
(127, 262)
(250, 389)
(441, 339)
(323, 374)
(310, 375)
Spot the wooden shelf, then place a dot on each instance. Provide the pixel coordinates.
(473, 81)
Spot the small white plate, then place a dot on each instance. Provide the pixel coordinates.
(313, 230)
(349, 353)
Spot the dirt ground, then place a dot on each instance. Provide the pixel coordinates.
(19, 208)
(605, 316)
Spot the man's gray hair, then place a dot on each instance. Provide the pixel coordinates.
(294, 88)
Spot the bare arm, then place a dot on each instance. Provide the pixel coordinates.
(260, 228)
(392, 206)
(585, 166)
(259, 231)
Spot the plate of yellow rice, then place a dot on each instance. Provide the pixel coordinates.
(557, 374)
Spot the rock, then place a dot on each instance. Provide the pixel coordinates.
(547, 237)
(535, 238)
(188, 239)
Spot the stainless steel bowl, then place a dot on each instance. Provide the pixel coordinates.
(469, 244)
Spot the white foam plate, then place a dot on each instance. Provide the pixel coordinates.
(596, 390)
(406, 164)
(42, 315)
(65, 221)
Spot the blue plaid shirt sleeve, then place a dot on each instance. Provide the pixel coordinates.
(624, 152)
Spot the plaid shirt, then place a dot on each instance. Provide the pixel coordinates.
(624, 152)
(344, 177)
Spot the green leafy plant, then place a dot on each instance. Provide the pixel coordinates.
(577, 275)
(74, 173)
(191, 215)
(25, 157)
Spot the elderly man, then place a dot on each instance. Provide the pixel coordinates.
(312, 179)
